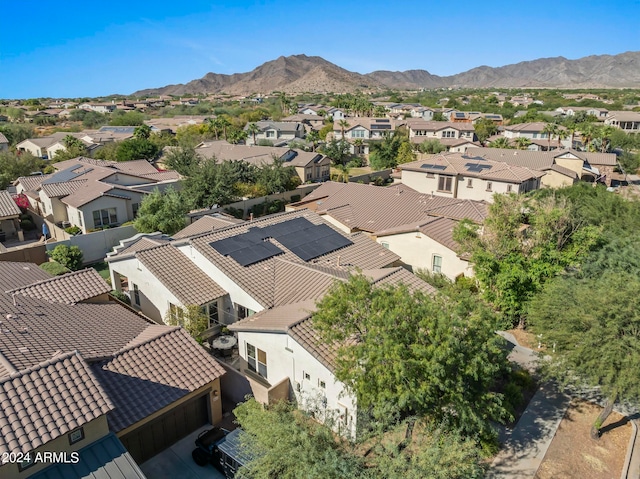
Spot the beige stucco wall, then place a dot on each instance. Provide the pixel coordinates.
(93, 431)
(553, 179)
(417, 251)
(574, 164)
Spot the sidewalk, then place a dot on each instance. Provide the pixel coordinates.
(526, 444)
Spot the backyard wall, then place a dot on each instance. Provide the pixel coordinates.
(96, 245)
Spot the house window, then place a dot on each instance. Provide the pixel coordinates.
(489, 186)
(243, 312)
(80, 219)
(357, 134)
(385, 245)
(322, 384)
(509, 188)
(134, 208)
(75, 436)
(257, 360)
(27, 462)
(271, 134)
(444, 183)
(176, 314)
(307, 376)
(211, 311)
(105, 217)
(470, 183)
(430, 175)
(437, 264)
(136, 295)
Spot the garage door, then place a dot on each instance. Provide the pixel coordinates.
(157, 435)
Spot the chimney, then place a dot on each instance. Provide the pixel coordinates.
(338, 262)
(251, 217)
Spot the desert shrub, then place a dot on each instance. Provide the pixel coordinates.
(68, 256)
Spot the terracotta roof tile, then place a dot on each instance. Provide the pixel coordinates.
(180, 275)
(206, 224)
(69, 288)
(48, 400)
(31, 183)
(149, 376)
(8, 207)
(14, 274)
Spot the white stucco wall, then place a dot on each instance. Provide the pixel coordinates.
(287, 358)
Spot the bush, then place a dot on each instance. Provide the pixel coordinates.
(120, 296)
(73, 230)
(27, 225)
(295, 198)
(68, 256)
(54, 268)
(235, 212)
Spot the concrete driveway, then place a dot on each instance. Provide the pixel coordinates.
(177, 462)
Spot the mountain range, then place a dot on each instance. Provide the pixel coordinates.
(302, 73)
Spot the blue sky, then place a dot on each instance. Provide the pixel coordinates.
(73, 49)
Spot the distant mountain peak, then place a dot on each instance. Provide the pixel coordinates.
(302, 73)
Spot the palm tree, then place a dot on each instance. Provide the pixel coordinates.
(223, 123)
(314, 137)
(571, 130)
(501, 142)
(522, 143)
(550, 130)
(357, 144)
(343, 173)
(604, 133)
(343, 124)
(253, 130)
(587, 132)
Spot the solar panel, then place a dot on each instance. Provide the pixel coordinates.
(255, 253)
(433, 167)
(63, 176)
(477, 167)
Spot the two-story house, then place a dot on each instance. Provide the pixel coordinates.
(627, 121)
(456, 137)
(456, 175)
(279, 133)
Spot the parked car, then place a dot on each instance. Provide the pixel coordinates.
(222, 449)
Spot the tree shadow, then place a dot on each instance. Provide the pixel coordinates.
(618, 423)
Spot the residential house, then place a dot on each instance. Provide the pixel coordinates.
(363, 130)
(599, 113)
(102, 107)
(535, 132)
(279, 133)
(232, 281)
(93, 194)
(47, 146)
(309, 166)
(4, 143)
(311, 122)
(555, 174)
(627, 121)
(9, 217)
(75, 378)
(283, 359)
(172, 124)
(336, 114)
(422, 112)
(415, 226)
(456, 137)
(456, 175)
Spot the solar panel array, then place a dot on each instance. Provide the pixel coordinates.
(433, 167)
(299, 235)
(477, 167)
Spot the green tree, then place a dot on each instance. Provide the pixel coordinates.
(13, 166)
(285, 442)
(182, 159)
(68, 256)
(161, 211)
(337, 151)
(405, 153)
(314, 137)
(593, 328)
(16, 133)
(191, 318)
(522, 142)
(484, 128)
(128, 118)
(391, 345)
(93, 119)
(384, 154)
(277, 178)
(523, 244)
(136, 149)
(550, 129)
(253, 130)
(431, 147)
(212, 183)
(142, 132)
(343, 124)
(502, 142)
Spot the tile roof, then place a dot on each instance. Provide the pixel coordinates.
(30, 183)
(14, 274)
(206, 224)
(48, 400)
(416, 124)
(33, 330)
(374, 208)
(180, 275)
(437, 228)
(55, 190)
(593, 158)
(257, 278)
(8, 207)
(149, 376)
(456, 164)
(536, 160)
(139, 242)
(3, 139)
(68, 288)
(105, 458)
(278, 319)
(257, 155)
